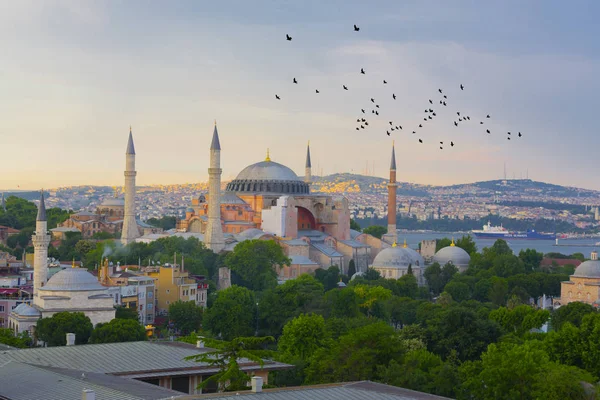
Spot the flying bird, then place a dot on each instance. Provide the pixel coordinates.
(462, 87)
(481, 123)
(362, 127)
(392, 129)
(509, 133)
(376, 112)
(388, 133)
(441, 142)
(358, 120)
(414, 132)
(488, 116)
(356, 28)
(390, 122)
(520, 134)
(455, 123)
(377, 105)
(434, 114)
(372, 100)
(430, 117)
(345, 88)
(363, 120)
(452, 144)
(444, 104)
(488, 131)
(425, 119)
(508, 138)
(317, 90)
(430, 110)
(288, 37)
(445, 96)
(460, 120)
(430, 102)
(469, 118)
(357, 129)
(362, 71)
(363, 110)
(420, 140)
(393, 96)
(440, 90)
(295, 81)
(458, 113)
(277, 97)
(384, 81)
(399, 126)
(420, 126)
(441, 148)
(366, 123)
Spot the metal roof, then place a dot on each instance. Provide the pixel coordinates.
(19, 381)
(301, 260)
(344, 391)
(328, 251)
(354, 243)
(133, 357)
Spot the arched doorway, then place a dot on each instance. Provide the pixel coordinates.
(306, 220)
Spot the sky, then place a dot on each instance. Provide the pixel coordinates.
(75, 74)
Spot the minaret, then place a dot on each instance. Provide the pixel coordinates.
(307, 167)
(40, 240)
(213, 236)
(130, 228)
(392, 197)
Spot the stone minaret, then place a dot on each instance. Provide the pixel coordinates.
(307, 167)
(40, 240)
(392, 197)
(130, 228)
(213, 236)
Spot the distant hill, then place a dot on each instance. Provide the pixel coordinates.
(349, 183)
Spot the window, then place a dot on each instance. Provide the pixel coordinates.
(149, 317)
(149, 306)
(150, 294)
(168, 302)
(1, 308)
(168, 291)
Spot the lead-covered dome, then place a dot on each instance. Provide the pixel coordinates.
(590, 268)
(268, 177)
(397, 257)
(452, 254)
(73, 279)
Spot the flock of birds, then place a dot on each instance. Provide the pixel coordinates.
(429, 114)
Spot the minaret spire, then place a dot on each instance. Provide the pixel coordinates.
(392, 187)
(213, 236)
(40, 240)
(308, 166)
(130, 229)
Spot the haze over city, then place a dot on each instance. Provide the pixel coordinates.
(75, 76)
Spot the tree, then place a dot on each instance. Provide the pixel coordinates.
(498, 290)
(458, 290)
(167, 222)
(302, 336)
(117, 331)
(342, 303)
(354, 225)
(52, 330)
(186, 316)
(254, 262)
(328, 277)
(370, 295)
(409, 270)
(573, 312)
(433, 275)
(375, 230)
(126, 313)
(103, 236)
(20, 341)
(402, 311)
(351, 268)
(226, 358)
(531, 259)
(520, 319)
(372, 274)
(233, 313)
(467, 244)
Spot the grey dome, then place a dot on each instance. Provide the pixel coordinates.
(189, 209)
(113, 202)
(72, 279)
(590, 268)
(453, 254)
(26, 310)
(267, 171)
(398, 257)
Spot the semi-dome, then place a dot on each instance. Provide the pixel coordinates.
(72, 279)
(452, 254)
(268, 177)
(590, 268)
(397, 257)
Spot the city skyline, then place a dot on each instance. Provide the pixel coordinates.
(79, 73)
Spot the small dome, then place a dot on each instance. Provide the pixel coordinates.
(189, 209)
(588, 269)
(72, 279)
(267, 171)
(398, 257)
(26, 310)
(454, 254)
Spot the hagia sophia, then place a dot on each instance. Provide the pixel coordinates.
(268, 201)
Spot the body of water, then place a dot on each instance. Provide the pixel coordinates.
(566, 246)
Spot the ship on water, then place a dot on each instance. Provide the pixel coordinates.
(500, 232)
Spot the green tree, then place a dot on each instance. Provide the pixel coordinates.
(167, 222)
(186, 316)
(409, 270)
(372, 274)
(126, 313)
(226, 357)
(375, 230)
(328, 277)
(520, 319)
(302, 336)
(20, 341)
(467, 244)
(351, 268)
(118, 330)
(342, 303)
(458, 290)
(531, 259)
(233, 313)
(102, 236)
(254, 262)
(433, 275)
(498, 291)
(369, 296)
(573, 313)
(354, 225)
(402, 311)
(52, 330)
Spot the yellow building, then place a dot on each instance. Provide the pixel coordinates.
(173, 283)
(583, 285)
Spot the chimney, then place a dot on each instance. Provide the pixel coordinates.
(88, 394)
(257, 383)
(199, 344)
(594, 256)
(70, 339)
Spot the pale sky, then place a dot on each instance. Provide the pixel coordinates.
(74, 74)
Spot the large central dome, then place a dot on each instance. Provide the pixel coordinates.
(268, 177)
(267, 171)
